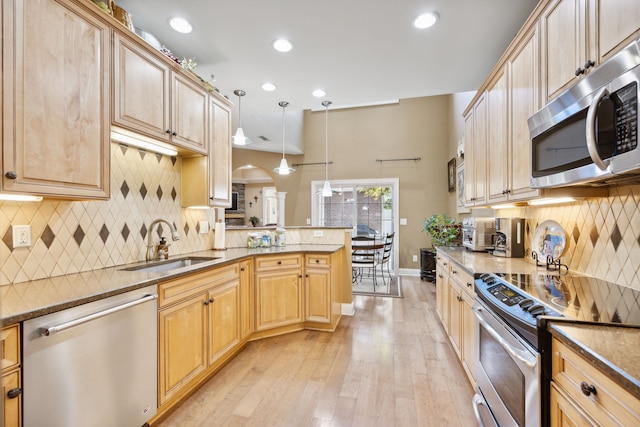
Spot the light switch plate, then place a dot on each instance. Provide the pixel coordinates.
(318, 233)
(21, 236)
(204, 227)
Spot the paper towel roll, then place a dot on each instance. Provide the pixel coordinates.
(218, 236)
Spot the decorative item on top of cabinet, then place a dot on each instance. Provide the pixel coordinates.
(206, 181)
(155, 97)
(57, 59)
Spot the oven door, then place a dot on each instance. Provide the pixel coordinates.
(507, 371)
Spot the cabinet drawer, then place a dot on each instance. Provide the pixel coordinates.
(443, 262)
(268, 263)
(10, 347)
(610, 405)
(185, 287)
(463, 277)
(318, 260)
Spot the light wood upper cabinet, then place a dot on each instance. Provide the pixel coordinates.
(618, 24)
(55, 100)
(220, 154)
(152, 99)
(476, 144)
(498, 164)
(524, 100)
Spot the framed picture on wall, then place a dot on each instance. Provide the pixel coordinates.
(460, 190)
(452, 175)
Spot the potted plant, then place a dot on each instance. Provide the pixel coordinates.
(254, 220)
(444, 230)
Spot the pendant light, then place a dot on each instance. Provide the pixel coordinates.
(326, 189)
(239, 138)
(284, 168)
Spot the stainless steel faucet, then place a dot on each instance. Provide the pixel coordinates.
(151, 248)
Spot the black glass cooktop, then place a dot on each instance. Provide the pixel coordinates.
(581, 297)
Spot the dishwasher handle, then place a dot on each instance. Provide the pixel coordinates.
(47, 332)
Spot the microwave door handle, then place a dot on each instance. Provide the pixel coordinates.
(592, 113)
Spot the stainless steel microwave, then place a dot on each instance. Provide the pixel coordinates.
(588, 135)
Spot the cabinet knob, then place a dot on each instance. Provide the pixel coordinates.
(317, 261)
(454, 271)
(211, 300)
(469, 285)
(458, 298)
(168, 131)
(206, 302)
(306, 275)
(14, 392)
(11, 175)
(579, 71)
(589, 64)
(587, 389)
(241, 268)
(279, 262)
(174, 133)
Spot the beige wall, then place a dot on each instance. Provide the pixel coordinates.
(416, 127)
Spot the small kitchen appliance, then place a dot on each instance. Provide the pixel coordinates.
(509, 238)
(478, 233)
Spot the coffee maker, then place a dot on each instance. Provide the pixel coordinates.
(509, 241)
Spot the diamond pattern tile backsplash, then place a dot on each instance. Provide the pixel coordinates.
(70, 237)
(603, 234)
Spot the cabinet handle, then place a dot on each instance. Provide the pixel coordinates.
(587, 389)
(11, 175)
(14, 392)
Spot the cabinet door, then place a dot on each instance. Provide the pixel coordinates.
(524, 101)
(455, 327)
(278, 299)
(318, 295)
(442, 295)
(11, 407)
(618, 25)
(189, 115)
(565, 412)
(469, 164)
(565, 47)
(56, 94)
(246, 298)
(480, 150)
(224, 328)
(468, 336)
(220, 153)
(182, 346)
(498, 164)
(141, 90)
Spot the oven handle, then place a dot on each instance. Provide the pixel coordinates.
(508, 348)
(592, 114)
(477, 402)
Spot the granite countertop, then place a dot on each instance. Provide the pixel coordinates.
(26, 300)
(483, 262)
(610, 348)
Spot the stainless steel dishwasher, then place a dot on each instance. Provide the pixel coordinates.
(93, 365)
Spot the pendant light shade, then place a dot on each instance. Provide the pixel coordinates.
(284, 168)
(326, 189)
(239, 138)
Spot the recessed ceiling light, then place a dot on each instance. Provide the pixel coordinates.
(269, 87)
(425, 20)
(318, 93)
(282, 45)
(180, 25)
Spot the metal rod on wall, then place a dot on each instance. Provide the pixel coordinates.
(307, 164)
(415, 159)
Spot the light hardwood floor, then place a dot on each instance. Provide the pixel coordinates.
(389, 365)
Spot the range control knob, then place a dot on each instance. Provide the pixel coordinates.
(491, 280)
(536, 310)
(526, 303)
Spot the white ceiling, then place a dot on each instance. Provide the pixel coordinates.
(358, 51)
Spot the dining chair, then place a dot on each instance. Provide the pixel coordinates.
(365, 254)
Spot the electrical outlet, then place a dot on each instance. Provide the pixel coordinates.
(415, 258)
(308, 221)
(403, 221)
(21, 236)
(204, 227)
(318, 233)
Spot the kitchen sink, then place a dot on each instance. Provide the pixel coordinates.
(167, 265)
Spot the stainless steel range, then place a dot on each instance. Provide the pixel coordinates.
(510, 312)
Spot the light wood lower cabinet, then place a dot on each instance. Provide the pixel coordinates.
(246, 298)
(582, 395)
(198, 326)
(455, 297)
(278, 291)
(317, 287)
(10, 379)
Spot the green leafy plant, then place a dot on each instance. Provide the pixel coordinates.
(254, 220)
(443, 229)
